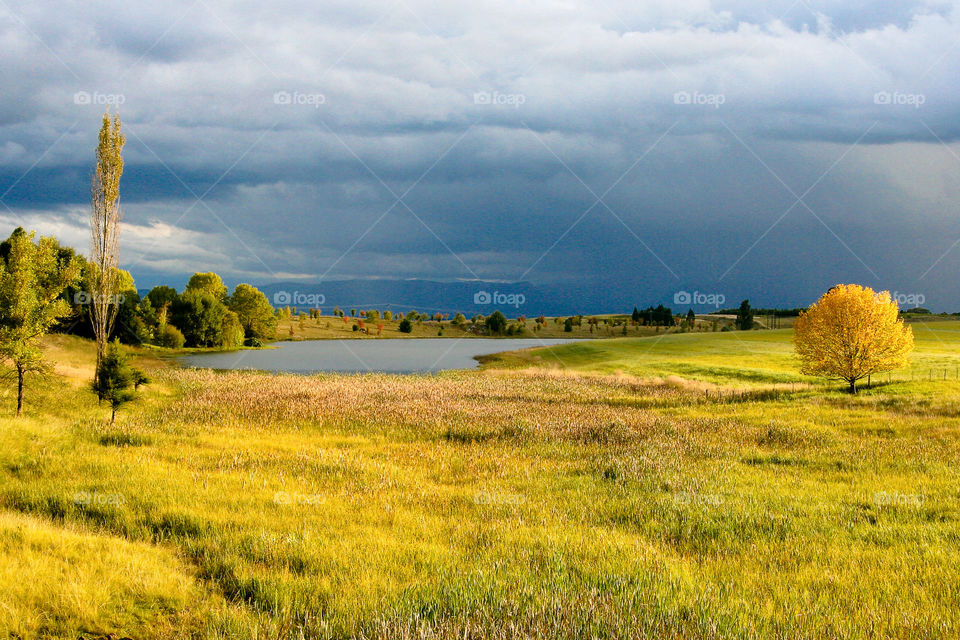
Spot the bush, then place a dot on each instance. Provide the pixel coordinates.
(496, 323)
(406, 326)
(253, 342)
(170, 337)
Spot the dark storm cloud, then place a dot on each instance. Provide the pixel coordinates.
(645, 147)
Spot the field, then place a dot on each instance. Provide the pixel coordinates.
(674, 486)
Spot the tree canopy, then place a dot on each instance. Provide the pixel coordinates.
(210, 283)
(254, 311)
(33, 275)
(852, 332)
(199, 314)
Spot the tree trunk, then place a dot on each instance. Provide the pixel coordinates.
(853, 386)
(19, 389)
(113, 413)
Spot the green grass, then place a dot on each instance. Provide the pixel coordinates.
(646, 490)
(731, 357)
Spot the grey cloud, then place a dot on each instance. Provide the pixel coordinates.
(386, 89)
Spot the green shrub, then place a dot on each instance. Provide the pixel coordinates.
(170, 337)
(116, 379)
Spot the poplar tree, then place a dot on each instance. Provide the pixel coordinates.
(105, 219)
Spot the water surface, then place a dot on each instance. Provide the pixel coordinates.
(388, 355)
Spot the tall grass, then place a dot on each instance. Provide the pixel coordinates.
(503, 504)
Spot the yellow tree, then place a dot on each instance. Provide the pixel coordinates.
(852, 332)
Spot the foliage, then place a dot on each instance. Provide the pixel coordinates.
(850, 333)
(210, 283)
(496, 323)
(255, 312)
(199, 315)
(405, 325)
(116, 380)
(170, 337)
(232, 331)
(32, 277)
(162, 296)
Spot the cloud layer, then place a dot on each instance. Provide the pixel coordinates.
(763, 150)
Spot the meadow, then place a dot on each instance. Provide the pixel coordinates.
(674, 486)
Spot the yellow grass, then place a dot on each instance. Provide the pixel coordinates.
(531, 502)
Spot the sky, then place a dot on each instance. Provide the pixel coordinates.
(666, 150)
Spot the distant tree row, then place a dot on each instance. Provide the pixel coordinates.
(660, 316)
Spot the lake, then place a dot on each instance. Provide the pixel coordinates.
(390, 355)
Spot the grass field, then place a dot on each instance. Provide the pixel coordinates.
(680, 486)
(731, 358)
